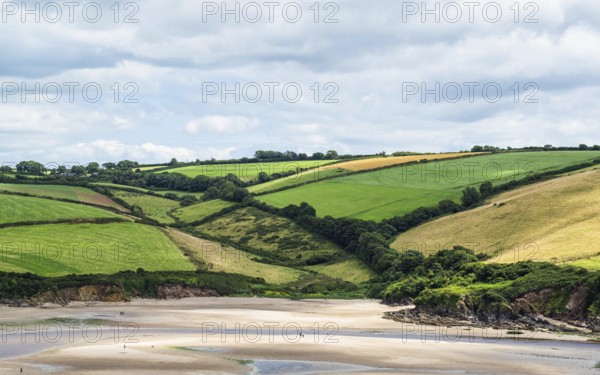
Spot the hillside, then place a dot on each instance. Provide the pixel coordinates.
(381, 194)
(270, 233)
(553, 221)
(63, 249)
(71, 193)
(346, 167)
(18, 209)
(246, 171)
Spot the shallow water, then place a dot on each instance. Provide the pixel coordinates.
(278, 367)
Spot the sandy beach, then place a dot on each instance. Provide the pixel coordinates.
(269, 336)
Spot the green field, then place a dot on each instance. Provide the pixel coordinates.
(117, 186)
(264, 231)
(226, 259)
(312, 175)
(16, 209)
(179, 193)
(553, 221)
(156, 208)
(62, 249)
(386, 193)
(246, 171)
(351, 270)
(73, 193)
(199, 211)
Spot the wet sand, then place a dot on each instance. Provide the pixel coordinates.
(268, 336)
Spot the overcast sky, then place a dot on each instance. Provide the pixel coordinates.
(350, 77)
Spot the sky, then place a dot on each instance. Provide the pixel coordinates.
(155, 80)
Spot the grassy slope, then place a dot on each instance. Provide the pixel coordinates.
(142, 190)
(396, 191)
(62, 249)
(201, 210)
(556, 220)
(346, 167)
(17, 209)
(268, 232)
(246, 171)
(226, 259)
(351, 270)
(73, 193)
(154, 207)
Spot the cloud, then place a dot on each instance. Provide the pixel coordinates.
(221, 125)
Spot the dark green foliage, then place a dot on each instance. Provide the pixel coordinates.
(470, 197)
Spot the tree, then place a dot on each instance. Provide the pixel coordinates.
(486, 189)
(109, 165)
(78, 170)
(583, 146)
(173, 162)
(477, 149)
(470, 197)
(263, 177)
(331, 154)
(6, 169)
(92, 167)
(318, 156)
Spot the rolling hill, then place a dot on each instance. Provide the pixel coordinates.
(555, 221)
(376, 195)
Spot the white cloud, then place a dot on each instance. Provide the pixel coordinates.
(221, 125)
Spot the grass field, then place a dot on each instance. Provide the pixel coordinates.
(555, 221)
(117, 186)
(246, 171)
(154, 207)
(226, 259)
(62, 249)
(343, 168)
(268, 232)
(179, 193)
(199, 211)
(73, 193)
(144, 191)
(17, 209)
(395, 191)
(351, 270)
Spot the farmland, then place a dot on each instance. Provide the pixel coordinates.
(395, 191)
(351, 270)
(264, 231)
(343, 168)
(72, 193)
(156, 208)
(246, 171)
(550, 221)
(62, 249)
(16, 209)
(221, 258)
(199, 211)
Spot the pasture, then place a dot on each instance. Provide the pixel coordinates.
(246, 171)
(264, 231)
(62, 249)
(17, 209)
(220, 258)
(199, 211)
(72, 193)
(156, 208)
(553, 221)
(395, 191)
(346, 167)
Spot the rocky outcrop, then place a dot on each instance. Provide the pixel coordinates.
(533, 310)
(178, 292)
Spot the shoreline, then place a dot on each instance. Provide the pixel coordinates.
(222, 335)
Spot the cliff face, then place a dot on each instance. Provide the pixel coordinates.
(547, 308)
(107, 293)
